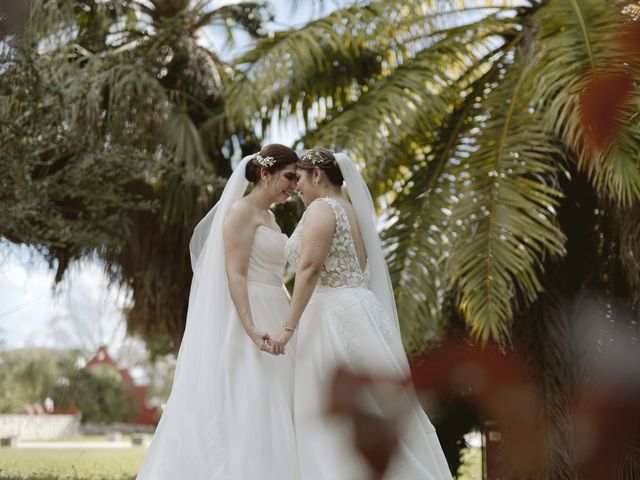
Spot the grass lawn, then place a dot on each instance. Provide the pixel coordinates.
(117, 464)
(70, 464)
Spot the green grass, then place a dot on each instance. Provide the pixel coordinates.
(70, 464)
(118, 464)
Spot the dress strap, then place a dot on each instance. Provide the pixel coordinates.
(342, 219)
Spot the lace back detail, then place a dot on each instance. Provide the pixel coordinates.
(341, 267)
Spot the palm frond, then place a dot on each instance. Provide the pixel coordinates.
(287, 67)
(419, 241)
(338, 57)
(249, 15)
(569, 65)
(413, 97)
(410, 103)
(184, 138)
(507, 201)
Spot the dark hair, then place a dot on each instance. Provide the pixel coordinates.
(279, 154)
(324, 159)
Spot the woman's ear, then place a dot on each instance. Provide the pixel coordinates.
(264, 174)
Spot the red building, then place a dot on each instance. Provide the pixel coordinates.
(146, 415)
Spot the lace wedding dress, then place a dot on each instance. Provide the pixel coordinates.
(230, 412)
(344, 324)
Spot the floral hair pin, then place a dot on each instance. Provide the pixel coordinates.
(314, 157)
(265, 162)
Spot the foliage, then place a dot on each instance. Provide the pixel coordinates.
(465, 119)
(115, 142)
(98, 393)
(29, 376)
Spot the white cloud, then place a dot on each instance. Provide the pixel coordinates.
(25, 294)
(84, 311)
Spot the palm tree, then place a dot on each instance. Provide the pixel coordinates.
(495, 135)
(465, 118)
(116, 142)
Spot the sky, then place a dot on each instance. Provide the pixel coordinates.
(85, 310)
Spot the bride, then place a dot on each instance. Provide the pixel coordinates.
(229, 415)
(344, 303)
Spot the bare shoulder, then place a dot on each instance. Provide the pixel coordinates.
(240, 213)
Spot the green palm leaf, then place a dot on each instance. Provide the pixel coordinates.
(507, 201)
(413, 97)
(409, 104)
(580, 44)
(419, 241)
(338, 57)
(283, 70)
(183, 136)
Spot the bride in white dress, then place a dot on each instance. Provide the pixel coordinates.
(230, 413)
(343, 302)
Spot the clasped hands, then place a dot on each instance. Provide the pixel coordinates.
(275, 344)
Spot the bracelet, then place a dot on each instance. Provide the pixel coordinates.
(289, 329)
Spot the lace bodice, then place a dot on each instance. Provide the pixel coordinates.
(341, 267)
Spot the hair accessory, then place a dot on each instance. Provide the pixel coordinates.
(314, 157)
(265, 162)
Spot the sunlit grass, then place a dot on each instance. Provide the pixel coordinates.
(119, 464)
(73, 463)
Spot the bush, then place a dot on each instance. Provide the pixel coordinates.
(98, 393)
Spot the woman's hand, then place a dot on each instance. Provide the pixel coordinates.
(261, 339)
(279, 340)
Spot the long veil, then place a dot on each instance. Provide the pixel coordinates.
(425, 458)
(379, 279)
(189, 437)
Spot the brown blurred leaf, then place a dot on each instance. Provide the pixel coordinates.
(375, 436)
(498, 386)
(604, 106)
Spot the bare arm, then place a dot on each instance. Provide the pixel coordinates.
(239, 231)
(317, 235)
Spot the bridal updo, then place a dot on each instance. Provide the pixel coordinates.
(272, 157)
(323, 159)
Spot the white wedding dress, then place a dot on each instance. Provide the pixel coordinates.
(230, 412)
(344, 324)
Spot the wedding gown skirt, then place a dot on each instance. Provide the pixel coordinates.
(348, 327)
(345, 325)
(247, 431)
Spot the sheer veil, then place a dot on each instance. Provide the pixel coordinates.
(379, 279)
(421, 451)
(188, 440)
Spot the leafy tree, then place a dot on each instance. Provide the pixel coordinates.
(115, 141)
(466, 117)
(98, 393)
(30, 375)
